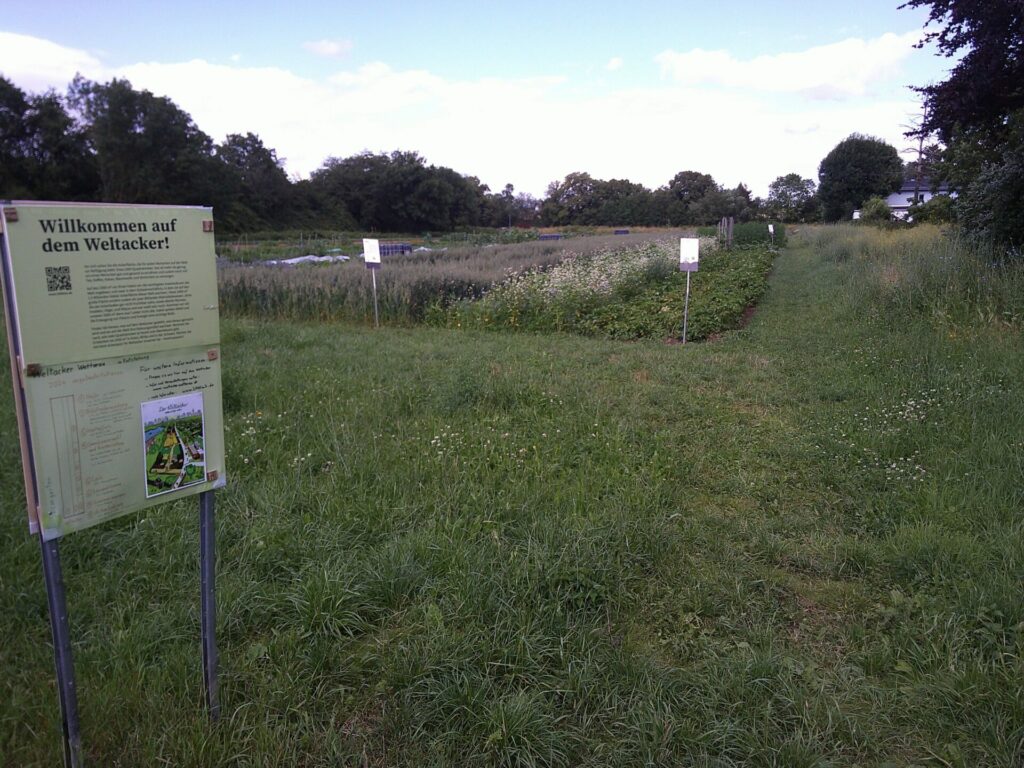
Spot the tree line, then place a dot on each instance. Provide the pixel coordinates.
(112, 142)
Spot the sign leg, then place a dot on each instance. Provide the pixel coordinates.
(686, 306)
(208, 602)
(376, 317)
(62, 659)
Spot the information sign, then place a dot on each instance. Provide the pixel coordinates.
(689, 254)
(371, 253)
(114, 333)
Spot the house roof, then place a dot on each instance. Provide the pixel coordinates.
(909, 185)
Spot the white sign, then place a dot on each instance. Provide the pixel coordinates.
(689, 254)
(771, 229)
(371, 253)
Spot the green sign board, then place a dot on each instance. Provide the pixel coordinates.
(114, 335)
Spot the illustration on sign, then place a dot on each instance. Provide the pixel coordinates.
(174, 441)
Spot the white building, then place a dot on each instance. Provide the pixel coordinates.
(899, 202)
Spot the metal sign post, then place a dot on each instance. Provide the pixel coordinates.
(686, 306)
(376, 313)
(62, 659)
(689, 256)
(208, 602)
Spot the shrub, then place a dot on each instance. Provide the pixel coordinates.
(992, 206)
(875, 211)
(938, 210)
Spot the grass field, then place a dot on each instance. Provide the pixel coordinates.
(798, 545)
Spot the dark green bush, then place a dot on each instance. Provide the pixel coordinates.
(938, 210)
(875, 211)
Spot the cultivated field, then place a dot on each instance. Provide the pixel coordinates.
(625, 286)
(799, 544)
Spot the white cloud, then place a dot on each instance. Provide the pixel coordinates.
(331, 49)
(614, 64)
(527, 131)
(839, 70)
(36, 64)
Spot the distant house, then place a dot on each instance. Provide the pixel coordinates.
(899, 202)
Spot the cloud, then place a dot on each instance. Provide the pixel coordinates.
(331, 49)
(840, 70)
(36, 64)
(527, 131)
(614, 64)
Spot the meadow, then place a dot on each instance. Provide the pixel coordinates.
(799, 544)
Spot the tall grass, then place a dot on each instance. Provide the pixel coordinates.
(926, 271)
(407, 284)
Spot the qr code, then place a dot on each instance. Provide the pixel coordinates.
(58, 279)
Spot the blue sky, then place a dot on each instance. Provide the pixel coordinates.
(522, 93)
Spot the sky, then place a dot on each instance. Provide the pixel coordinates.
(512, 93)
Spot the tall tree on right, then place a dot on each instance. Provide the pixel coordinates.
(857, 168)
(978, 112)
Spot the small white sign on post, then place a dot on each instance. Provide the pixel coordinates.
(371, 253)
(689, 254)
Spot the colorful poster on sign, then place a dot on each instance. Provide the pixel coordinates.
(173, 443)
(689, 254)
(371, 253)
(109, 308)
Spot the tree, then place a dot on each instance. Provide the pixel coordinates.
(43, 153)
(567, 201)
(987, 83)
(264, 186)
(688, 191)
(857, 168)
(147, 149)
(978, 112)
(398, 192)
(14, 171)
(792, 198)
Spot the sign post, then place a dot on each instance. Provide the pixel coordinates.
(114, 340)
(689, 255)
(771, 232)
(62, 658)
(371, 255)
(208, 603)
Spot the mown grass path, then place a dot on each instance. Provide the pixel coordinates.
(799, 545)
